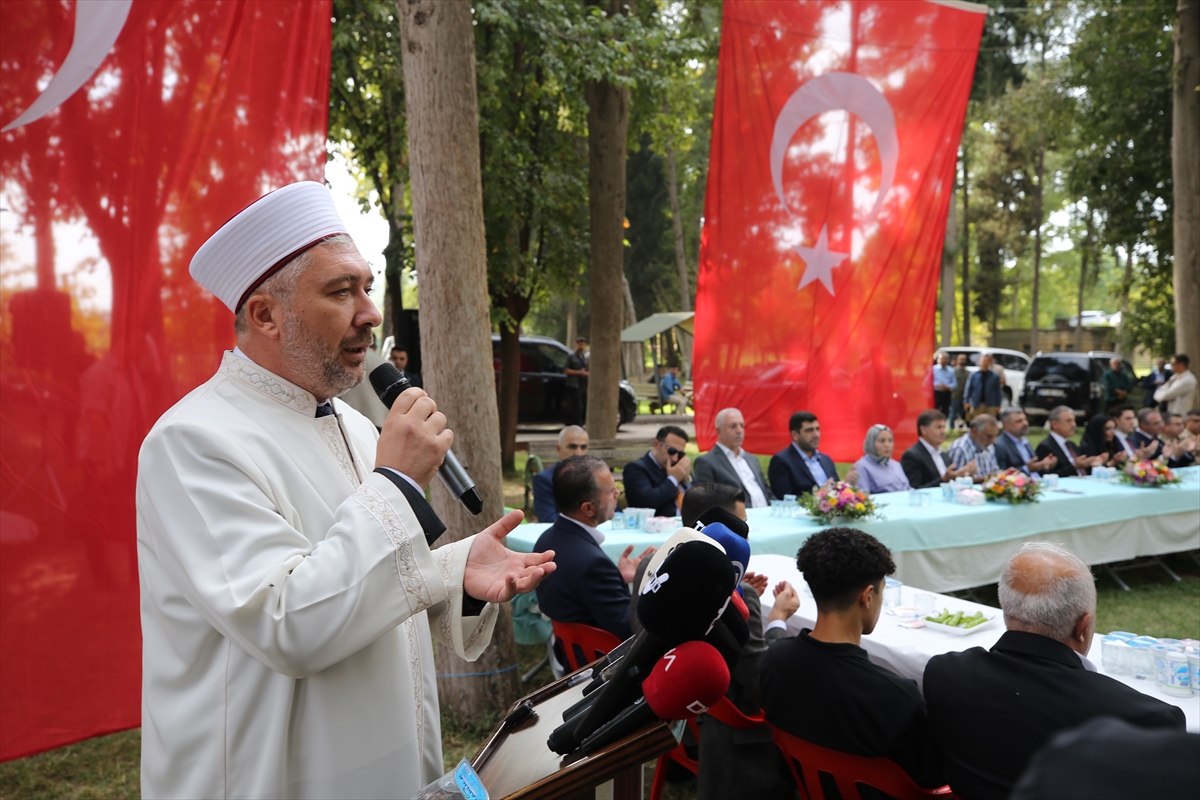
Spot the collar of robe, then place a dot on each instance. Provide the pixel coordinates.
(267, 383)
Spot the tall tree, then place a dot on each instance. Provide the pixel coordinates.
(443, 144)
(1185, 160)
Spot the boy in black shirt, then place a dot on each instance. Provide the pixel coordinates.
(820, 685)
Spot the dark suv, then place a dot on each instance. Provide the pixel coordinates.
(543, 395)
(1069, 379)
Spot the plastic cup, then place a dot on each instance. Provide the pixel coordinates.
(1051, 481)
(891, 592)
(924, 602)
(914, 498)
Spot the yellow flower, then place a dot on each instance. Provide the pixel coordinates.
(859, 507)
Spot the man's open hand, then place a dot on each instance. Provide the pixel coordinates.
(628, 566)
(496, 574)
(757, 582)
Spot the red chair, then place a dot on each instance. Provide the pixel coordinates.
(724, 711)
(592, 642)
(848, 772)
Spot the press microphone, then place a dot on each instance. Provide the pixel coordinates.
(687, 593)
(736, 547)
(726, 518)
(388, 383)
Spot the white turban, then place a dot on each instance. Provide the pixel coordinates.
(264, 236)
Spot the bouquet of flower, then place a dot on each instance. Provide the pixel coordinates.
(1149, 473)
(838, 499)
(1012, 485)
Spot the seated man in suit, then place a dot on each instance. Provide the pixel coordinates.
(399, 359)
(822, 687)
(572, 441)
(658, 478)
(1013, 450)
(799, 468)
(1180, 451)
(1069, 462)
(1145, 438)
(924, 464)
(992, 710)
(729, 463)
(590, 588)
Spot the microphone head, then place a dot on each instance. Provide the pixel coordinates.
(679, 537)
(388, 383)
(686, 681)
(739, 605)
(687, 593)
(726, 518)
(736, 547)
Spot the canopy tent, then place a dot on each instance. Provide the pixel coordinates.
(655, 324)
(652, 330)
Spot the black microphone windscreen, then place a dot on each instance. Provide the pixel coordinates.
(687, 593)
(729, 635)
(726, 518)
(388, 383)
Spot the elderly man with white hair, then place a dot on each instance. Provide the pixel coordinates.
(728, 463)
(289, 585)
(992, 710)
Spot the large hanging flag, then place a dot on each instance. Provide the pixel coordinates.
(835, 135)
(129, 132)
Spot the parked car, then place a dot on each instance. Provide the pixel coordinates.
(543, 395)
(1070, 379)
(1013, 362)
(1093, 319)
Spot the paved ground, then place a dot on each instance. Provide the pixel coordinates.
(644, 426)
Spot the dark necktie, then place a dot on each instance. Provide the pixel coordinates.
(324, 409)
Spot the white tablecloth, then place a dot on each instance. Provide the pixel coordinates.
(906, 650)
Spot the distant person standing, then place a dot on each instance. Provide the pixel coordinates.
(1117, 383)
(577, 378)
(944, 383)
(1153, 380)
(961, 376)
(1179, 389)
(983, 394)
(399, 359)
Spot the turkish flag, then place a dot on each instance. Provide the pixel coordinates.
(835, 135)
(132, 131)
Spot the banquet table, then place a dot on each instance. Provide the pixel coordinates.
(946, 546)
(906, 650)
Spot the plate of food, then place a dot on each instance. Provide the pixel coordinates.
(959, 623)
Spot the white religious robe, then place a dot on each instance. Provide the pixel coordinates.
(287, 598)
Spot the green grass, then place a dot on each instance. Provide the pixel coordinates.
(106, 766)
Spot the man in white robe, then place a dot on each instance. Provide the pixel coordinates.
(288, 587)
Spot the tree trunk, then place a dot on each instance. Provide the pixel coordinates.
(631, 353)
(608, 123)
(393, 259)
(572, 320)
(1037, 250)
(966, 255)
(948, 252)
(447, 200)
(1083, 268)
(517, 307)
(1185, 161)
(1126, 285)
(685, 289)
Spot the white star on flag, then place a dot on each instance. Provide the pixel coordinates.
(819, 261)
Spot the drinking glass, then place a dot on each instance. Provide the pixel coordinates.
(925, 602)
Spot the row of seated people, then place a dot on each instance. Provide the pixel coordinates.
(659, 479)
(982, 714)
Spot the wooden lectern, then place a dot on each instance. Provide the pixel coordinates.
(516, 764)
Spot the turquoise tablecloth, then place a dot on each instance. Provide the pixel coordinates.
(944, 524)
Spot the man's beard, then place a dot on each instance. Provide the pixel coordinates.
(314, 365)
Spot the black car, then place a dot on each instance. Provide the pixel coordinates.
(543, 395)
(1069, 379)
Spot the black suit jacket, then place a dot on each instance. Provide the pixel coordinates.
(586, 585)
(1140, 440)
(1008, 455)
(919, 468)
(991, 711)
(647, 486)
(1064, 468)
(788, 474)
(715, 467)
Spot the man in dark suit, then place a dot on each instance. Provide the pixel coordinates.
(661, 476)
(572, 441)
(924, 463)
(399, 359)
(728, 463)
(992, 710)
(799, 468)
(590, 588)
(1013, 450)
(822, 687)
(1068, 462)
(1145, 438)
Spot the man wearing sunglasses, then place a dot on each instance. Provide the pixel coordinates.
(659, 478)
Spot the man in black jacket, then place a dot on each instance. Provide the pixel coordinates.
(800, 467)
(993, 710)
(924, 464)
(656, 479)
(1068, 461)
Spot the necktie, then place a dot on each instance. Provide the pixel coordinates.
(324, 409)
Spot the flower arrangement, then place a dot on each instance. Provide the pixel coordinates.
(1150, 474)
(839, 499)
(1012, 485)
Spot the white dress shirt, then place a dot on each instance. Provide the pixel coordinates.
(595, 533)
(754, 493)
(937, 458)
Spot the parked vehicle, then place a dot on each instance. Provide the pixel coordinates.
(1012, 362)
(543, 395)
(1071, 379)
(1094, 319)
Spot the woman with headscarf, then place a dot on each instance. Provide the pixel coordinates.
(1100, 437)
(877, 470)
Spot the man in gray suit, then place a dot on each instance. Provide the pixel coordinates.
(729, 463)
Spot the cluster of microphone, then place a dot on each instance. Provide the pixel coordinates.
(694, 626)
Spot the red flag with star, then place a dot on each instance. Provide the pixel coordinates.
(835, 137)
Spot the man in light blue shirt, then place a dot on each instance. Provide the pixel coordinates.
(1014, 451)
(944, 383)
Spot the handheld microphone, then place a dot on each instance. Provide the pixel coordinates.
(388, 383)
(726, 518)
(736, 547)
(687, 593)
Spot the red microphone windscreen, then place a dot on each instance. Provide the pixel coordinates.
(686, 681)
(741, 607)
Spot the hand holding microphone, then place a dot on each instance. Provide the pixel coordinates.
(415, 438)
